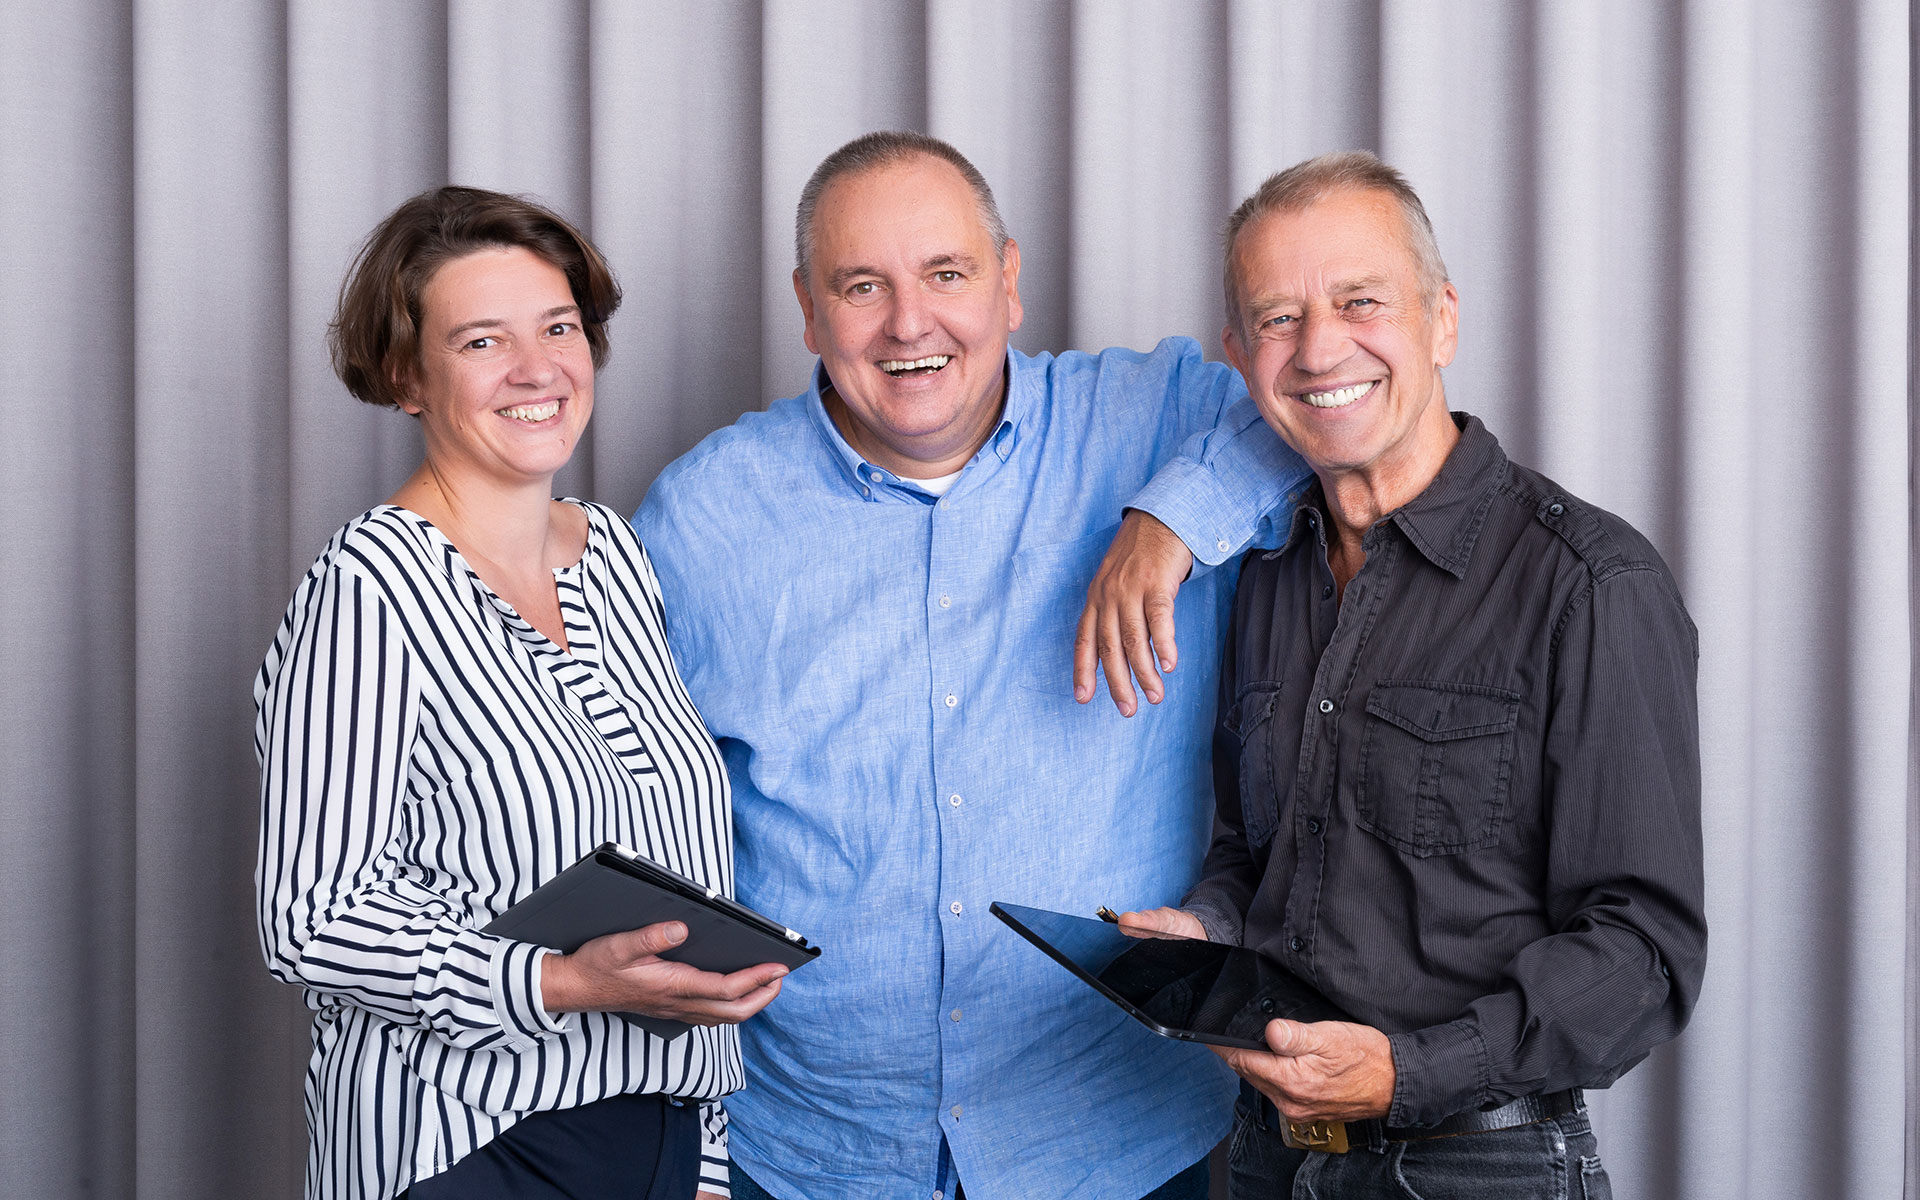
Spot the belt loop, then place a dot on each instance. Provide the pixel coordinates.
(1376, 1132)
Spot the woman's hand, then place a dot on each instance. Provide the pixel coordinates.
(623, 972)
(1163, 920)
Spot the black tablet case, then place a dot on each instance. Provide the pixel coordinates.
(613, 889)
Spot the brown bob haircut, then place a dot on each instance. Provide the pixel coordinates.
(375, 336)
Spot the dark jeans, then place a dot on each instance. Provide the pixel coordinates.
(640, 1147)
(1554, 1159)
(1190, 1184)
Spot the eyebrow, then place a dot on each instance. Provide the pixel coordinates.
(1346, 287)
(1361, 283)
(467, 327)
(840, 277)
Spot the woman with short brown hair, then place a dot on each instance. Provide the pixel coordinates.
(471, 689)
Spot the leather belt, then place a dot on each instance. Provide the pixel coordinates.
(1336, 1137)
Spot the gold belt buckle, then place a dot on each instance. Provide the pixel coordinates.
(1328, 1137)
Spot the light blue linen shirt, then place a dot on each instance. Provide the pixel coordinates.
(889, 675)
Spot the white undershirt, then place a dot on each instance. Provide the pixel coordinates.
(937, 486)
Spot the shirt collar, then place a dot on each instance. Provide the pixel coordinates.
(874, 482)
(1443, 522)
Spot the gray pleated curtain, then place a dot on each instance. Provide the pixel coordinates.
(1681, 234)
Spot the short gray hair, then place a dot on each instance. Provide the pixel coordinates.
(883, 149)
(1315, 179)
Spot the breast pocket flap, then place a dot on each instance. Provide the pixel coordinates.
(1445, 712)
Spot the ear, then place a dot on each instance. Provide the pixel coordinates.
(404, 390)
(805, 297)
(1010, 279)
(1234, 349)
(1446, 326)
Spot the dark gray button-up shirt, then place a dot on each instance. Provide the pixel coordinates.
(1464, 802)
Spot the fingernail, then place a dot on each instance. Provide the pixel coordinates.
(676, 932)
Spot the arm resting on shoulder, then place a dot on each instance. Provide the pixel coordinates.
(1230, 485)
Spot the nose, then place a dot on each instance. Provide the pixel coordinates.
(1323, 343)
(909, 316)
(533, 365)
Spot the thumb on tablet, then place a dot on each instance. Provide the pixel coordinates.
(1291, 1039)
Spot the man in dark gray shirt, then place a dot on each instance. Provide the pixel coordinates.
(1457, 758)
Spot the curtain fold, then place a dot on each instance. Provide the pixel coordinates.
(1684, 241)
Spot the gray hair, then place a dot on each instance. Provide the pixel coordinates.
(883, 149)
(1317, 178)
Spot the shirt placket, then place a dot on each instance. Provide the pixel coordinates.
(1317, 779)
(949, 600)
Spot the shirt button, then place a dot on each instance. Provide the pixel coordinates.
(1326, 706)
(954, 799)
(866, 491)
(1556, 509)
(952, 700)
(1223, 545)
(954, 908)
(1326, 593)
(955, 1110)
(955, 1014)
(1267, 1005)
(946, 602)
(1313, 826)
(1296, 944)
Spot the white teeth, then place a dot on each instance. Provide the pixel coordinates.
(532, 413)
(895, 365)
(1338, 398)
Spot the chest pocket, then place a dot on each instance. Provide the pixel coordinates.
(1436, 761)
(1247, 746)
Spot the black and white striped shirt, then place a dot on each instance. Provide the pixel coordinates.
(428, 758)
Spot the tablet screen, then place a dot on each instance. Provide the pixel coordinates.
(1179, 987)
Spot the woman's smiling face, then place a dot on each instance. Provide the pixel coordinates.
(504, 384)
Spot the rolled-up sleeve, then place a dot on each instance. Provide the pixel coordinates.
(1233, 477)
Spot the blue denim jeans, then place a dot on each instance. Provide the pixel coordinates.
(1190, 1184)
(1553, 1160)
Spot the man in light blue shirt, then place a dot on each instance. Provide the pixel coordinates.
(871, 591)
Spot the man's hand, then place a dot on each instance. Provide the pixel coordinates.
(623, 972)
(1129, 613)
(1327, 1071)
(1163, 920)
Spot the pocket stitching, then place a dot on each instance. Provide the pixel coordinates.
(1265, 800)
(1419, 837)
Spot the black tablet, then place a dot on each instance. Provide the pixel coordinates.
(1182, 988)
(613, 889)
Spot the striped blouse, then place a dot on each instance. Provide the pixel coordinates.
(427, 758)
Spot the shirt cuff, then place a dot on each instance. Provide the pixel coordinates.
(514, 977)
(1205, 514)
(715, 1172)
(1222, 926)
(1437, 1071)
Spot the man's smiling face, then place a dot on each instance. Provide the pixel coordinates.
(909, 309)
(1336, 336)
